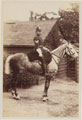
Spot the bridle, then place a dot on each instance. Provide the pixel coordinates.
(70, 52)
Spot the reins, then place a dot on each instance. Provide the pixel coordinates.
(71, 52)
(57, 57)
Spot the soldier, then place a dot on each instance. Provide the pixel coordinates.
(39, 47)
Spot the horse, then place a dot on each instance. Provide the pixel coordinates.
(20, 61)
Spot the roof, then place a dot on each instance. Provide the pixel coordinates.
(22, 33)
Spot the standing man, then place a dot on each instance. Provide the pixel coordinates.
(39, 47)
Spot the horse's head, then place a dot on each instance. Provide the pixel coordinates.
(70, 50)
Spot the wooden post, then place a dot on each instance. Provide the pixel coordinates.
(77, 69)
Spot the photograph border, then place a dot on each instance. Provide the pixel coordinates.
(80, 59)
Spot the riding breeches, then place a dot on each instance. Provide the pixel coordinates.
(39, 52)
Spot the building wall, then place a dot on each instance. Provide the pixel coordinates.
(16, 49)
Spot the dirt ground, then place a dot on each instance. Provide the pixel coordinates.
(63, 101)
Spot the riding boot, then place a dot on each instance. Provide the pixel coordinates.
(44, 66)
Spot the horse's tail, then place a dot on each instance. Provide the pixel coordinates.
(7, 65)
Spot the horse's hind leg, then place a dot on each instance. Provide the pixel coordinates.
(47, 83)
(13, 86)
(15, 69)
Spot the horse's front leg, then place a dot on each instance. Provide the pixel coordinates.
(47, 83)
(13, 87)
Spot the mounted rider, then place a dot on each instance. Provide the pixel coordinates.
(38, 41)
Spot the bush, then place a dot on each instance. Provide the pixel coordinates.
(6, 82)
(23, 80)
(26, 79)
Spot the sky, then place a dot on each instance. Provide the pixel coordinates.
(21, 10)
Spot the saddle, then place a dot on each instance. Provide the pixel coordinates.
(46, 55)
(33, 55)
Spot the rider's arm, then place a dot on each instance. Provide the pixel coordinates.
(36, 41)
(40, 41)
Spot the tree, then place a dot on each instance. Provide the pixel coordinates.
(69, 23)
(75, 7)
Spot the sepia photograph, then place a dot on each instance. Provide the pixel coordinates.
(40, 59)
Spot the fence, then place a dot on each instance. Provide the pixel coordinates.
(62, 69)
(77, 69)
(69, 68)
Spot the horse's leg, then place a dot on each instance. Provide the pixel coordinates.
(15, 69)
(47, 83)
(13, 86)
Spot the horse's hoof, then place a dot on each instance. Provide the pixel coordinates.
(45, 99)
(17, 97)
(13, 93)
(14, 96)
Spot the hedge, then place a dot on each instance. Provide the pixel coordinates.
(23, 80)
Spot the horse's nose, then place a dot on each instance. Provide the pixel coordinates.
(76, 56)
